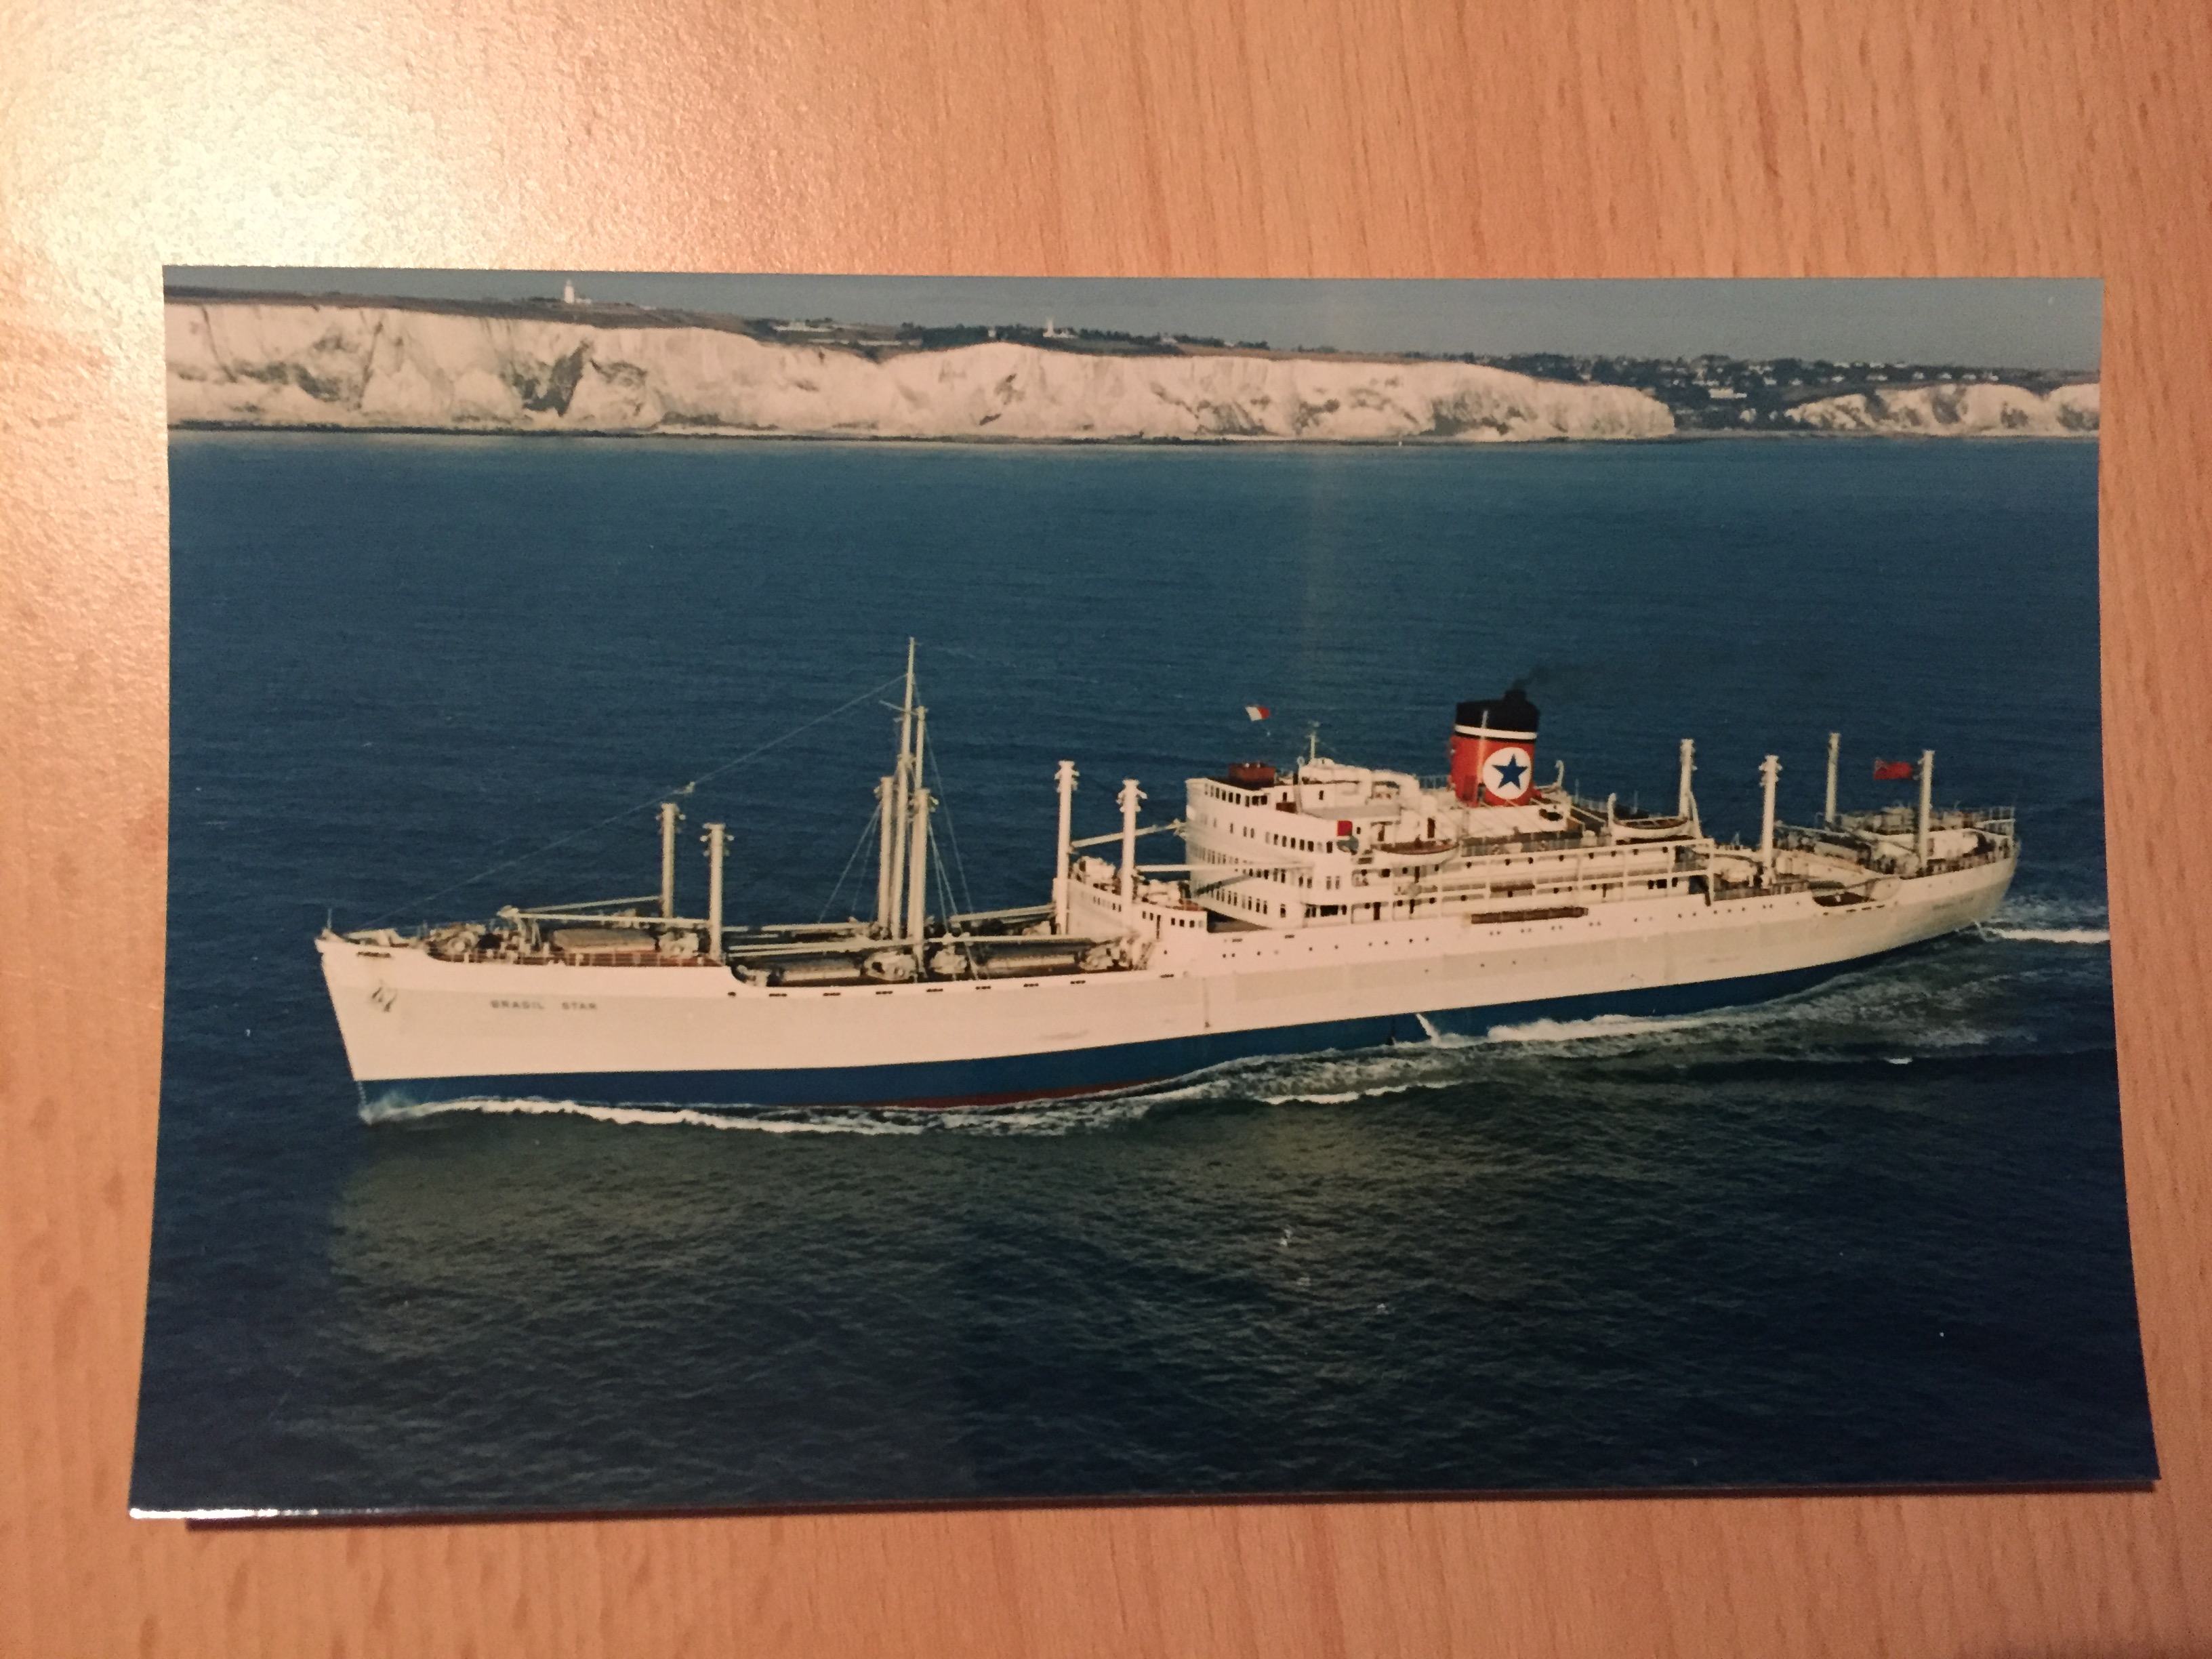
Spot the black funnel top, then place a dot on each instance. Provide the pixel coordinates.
(1511, 713)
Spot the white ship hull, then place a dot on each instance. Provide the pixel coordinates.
(419, 1029)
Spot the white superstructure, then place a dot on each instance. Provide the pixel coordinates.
(1331, 906)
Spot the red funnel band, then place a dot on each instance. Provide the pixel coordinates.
(1494, 768)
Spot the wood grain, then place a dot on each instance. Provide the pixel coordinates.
(1080, 137)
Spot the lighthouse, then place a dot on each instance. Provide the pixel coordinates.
(1493, 751)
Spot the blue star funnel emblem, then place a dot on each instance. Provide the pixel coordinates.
(1509, 773)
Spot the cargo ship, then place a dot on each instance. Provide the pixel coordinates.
(1318, 906)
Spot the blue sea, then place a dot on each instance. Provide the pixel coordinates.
(1872, 1233)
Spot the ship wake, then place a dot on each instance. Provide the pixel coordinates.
(1045, 1117)
(2048, 921)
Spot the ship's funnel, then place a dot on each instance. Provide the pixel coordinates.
(1494, 750)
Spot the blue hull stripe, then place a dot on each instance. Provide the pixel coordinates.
(1006, 1078)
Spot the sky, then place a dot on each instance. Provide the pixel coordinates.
(2008, 322)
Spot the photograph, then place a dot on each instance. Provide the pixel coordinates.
(810, 891)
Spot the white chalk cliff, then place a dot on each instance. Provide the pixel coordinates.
(1967, 409)
(370, 366)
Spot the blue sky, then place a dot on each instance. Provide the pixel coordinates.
(2009, 322)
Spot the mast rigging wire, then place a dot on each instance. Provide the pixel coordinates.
(945, 895)
(953, 834)
(867, 835)
(653, 799)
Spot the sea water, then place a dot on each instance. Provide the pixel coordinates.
(1876, 1233)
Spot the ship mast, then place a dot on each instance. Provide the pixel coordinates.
(668, 817)
(885, 831)
(903, 829)
(917, 858)
(1060, 870)
(1129, 797)
(717, 841)
(1927, 795)
(1769, 770)
(897, 793)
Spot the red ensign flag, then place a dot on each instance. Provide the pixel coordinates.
(1890, 771)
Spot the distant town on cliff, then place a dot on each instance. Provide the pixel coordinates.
(567, 363)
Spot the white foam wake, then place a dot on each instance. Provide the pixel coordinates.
(1327, 1078)
(2049, 922)
(663, 1115)
(1599, 1025)
(1052, 1118)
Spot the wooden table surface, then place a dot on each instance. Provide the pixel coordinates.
(1187, 137)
